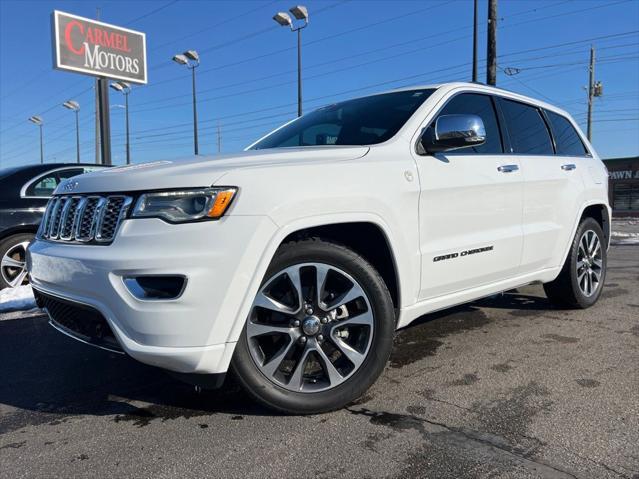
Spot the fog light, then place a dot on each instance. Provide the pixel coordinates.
(155, 286)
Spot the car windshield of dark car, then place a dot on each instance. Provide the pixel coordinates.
(362, 121)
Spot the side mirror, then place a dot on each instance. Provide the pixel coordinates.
(452, 132)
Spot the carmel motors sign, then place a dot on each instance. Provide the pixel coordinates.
(95, 48)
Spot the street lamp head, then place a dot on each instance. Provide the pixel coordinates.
(121, 86)
(71, 105)
(283, 19)
(181, 59)
(36, 119)
(192, 55)
(299, 12)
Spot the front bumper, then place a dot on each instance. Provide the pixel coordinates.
(189, 334)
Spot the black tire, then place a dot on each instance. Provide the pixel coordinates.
(273, 395)
(6, 246)
(565, 290)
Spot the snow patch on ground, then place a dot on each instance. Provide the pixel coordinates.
(625, 231)
(15, 299)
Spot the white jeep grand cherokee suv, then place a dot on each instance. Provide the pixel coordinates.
(294, 262)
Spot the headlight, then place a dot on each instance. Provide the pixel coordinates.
(185, 205)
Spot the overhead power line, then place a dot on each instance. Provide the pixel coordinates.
(365, 63)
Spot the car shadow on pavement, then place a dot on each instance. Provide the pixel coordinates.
(47, 373)
(517, 300)
(44, 372)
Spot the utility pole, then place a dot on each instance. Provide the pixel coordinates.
(591, 90)
(475, 43)
(491, 57)
(219, 138)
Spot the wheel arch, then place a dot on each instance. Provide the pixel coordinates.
(365, 238)
(322, 224)
(598, 210)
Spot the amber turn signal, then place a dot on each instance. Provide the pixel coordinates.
(222, 201)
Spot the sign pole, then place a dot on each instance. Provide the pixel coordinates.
(105, 121)
(106, 51)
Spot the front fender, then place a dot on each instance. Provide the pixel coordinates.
(403, 261)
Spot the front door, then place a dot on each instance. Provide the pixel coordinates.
(470, 208)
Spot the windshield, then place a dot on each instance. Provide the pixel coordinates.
(363, 121)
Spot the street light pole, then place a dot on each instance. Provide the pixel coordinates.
(299, 72)
(126, 116)
(75, 107)
(77, 135)
(125, 89)
(41, 146)
(196, 147)
(300, 12)
(191, 59)
(37, 120)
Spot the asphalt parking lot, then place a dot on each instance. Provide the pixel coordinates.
(504, 387)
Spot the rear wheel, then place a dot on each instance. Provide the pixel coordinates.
(582, 277)
(319, 332)
(13, 269)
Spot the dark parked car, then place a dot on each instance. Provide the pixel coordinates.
(24, 192)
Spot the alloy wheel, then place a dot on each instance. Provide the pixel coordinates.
(589, 263)
(310, 327)
(13, 264)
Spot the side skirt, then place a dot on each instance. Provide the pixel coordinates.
(411, 313)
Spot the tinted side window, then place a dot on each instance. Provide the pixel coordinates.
(528, 131)
(44, 186)
(482, 106)
(566, 138)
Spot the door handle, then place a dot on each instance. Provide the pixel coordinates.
(507, 168)
(568, 167)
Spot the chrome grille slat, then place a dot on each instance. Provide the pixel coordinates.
(67, 217)
(55, 218)
(86, 222)
(44, 224)
(84, 219)
(78, 215)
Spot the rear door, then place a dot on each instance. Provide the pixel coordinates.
(552, 186)
(470, 208)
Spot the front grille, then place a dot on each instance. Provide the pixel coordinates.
(87, 219)
(78, 321)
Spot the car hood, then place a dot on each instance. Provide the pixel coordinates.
(200, 171)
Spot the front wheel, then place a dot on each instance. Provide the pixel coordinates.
(319, 332)
(582, 277)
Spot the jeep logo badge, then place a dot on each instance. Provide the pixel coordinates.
(70, 186)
